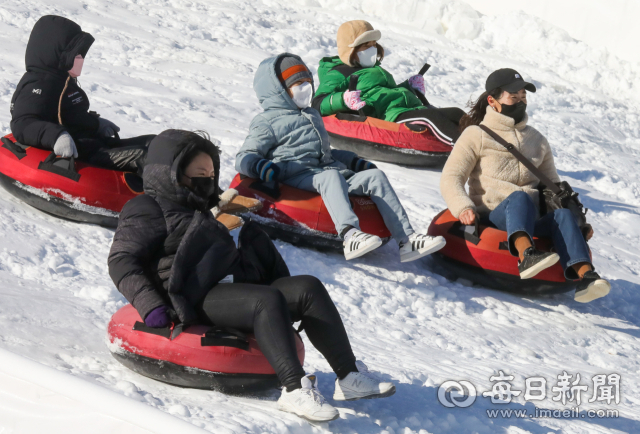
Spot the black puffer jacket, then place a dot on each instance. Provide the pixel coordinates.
(166, 251)
(47, 101)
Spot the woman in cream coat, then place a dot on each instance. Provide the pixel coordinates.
(504, 192)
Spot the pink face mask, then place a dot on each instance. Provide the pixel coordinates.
(78, 61)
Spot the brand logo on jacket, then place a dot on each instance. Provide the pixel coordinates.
(37, 91)
(518, 76)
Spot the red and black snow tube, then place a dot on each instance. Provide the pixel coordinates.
(192, 357)
(484, 258)
(65, 188)
(376, 139)
(301, 218)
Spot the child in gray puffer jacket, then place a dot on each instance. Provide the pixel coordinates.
(289, 143)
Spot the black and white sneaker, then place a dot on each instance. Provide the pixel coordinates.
(591, 287)
(420, 245)
(535, 261)
(359, 244)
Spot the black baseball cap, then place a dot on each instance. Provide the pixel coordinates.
(509, 80)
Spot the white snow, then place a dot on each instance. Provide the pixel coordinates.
(189, 64)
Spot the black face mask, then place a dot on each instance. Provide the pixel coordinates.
(515, 111)
(203, 186)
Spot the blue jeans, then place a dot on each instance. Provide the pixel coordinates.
(517, 213)
(335, 191)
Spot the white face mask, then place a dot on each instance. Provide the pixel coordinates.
(368, 57)
(302, 95)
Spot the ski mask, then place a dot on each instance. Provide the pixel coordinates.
(78, 62)
(515, 111)
(368, 58)
(302, 95)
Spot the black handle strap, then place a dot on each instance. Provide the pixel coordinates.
(60, 166)
(424, 69)
(225, 337)
(524, 160)
(14, 148)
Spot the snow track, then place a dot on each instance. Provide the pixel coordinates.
(160, 64)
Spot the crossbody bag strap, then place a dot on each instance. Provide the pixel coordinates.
(524, 160)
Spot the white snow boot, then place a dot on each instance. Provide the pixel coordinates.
(359, 244)
(307, 402)
(362, 385)
(420, 245)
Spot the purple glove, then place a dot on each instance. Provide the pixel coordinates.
(157, 318)
(417, 82)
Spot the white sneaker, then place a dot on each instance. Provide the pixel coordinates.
(307, 402)
(420, 245)
(362, 385)
(359, 244)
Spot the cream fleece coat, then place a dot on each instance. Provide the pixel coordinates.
(493, 173)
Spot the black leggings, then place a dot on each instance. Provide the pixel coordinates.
(114, 153)
(443, 122)
(269, 311)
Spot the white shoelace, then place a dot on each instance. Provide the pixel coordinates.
(315, 394)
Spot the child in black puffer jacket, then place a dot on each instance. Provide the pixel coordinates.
(49, 110)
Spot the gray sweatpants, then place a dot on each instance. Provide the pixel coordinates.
(335, 190)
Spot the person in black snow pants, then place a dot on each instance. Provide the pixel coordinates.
(49, 110)
(168, 258)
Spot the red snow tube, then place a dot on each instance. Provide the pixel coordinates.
(192, 358)
(375, 139)
(484, 258)
(64, 188)
(300, 217)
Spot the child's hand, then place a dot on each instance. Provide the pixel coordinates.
(352, 100)
(267, 170)
(358, 165)
(417, 82)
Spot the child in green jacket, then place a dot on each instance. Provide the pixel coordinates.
(377, 92)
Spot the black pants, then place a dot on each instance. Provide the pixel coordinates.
(113, 153)
(269, 311)
(443, 122)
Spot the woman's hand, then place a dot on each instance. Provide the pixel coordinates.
(467, 217)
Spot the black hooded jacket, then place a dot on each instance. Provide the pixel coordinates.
(47, 101)
(168, 248)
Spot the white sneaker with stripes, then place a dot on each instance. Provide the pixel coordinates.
(359, 244)
(420, 245)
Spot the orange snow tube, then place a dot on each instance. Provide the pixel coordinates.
(301, 218)
(483, 257)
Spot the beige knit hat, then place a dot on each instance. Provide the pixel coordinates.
(354, 33)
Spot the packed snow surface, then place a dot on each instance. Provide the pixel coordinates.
(160, 64)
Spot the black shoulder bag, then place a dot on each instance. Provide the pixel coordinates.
(556, 196)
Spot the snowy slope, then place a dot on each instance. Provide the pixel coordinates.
(158, 64)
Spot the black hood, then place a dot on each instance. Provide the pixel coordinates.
(54, 43)
(162, 168)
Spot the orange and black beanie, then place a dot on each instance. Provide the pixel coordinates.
(289, 70)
